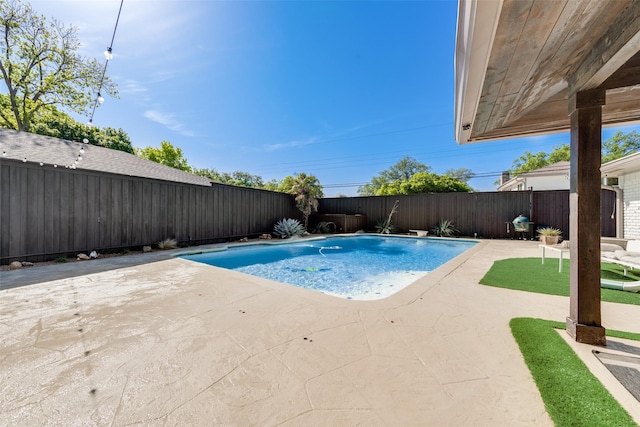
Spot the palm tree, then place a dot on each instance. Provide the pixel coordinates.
(307, 190)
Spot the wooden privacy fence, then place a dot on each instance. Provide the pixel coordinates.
(483, 214)
(47, 212)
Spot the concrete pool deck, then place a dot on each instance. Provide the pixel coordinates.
(174, 342)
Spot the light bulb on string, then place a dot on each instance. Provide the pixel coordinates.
(41, 164)
(108, 54)
(24, 160)
(100, 98)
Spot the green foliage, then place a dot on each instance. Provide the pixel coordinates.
(401, 171)
(306, 190)
(408, 176)
(273, 185)
(239, 178)
(386, 226)
(572, 395)
(61, 259)
(620, 145)
(288, 227)
(549, 231)
(445, 228)
(528, 161)
(423, 182)
(52, 122)
(529, 274)
(167, 155)
(40, 67)
(462, 174)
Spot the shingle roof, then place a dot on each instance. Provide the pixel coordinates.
(53, 151)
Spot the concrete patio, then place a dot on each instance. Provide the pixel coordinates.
(174, 342)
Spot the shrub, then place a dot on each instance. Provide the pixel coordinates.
(61, 259)
(445, 228)
(383, 226)
(288, 227)
(386, 226)
(168, 244)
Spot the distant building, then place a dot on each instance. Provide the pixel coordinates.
(623, 175)
(552, 177)
(59, 153)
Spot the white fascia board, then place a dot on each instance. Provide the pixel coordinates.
(477, 25)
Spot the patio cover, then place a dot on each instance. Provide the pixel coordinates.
(530, 67)
(518, 62)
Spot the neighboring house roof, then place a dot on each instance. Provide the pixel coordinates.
(53, 151)
(560, 169)
(622, 166)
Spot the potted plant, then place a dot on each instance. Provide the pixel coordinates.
(549, 235)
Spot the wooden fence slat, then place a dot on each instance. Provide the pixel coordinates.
(51, 212)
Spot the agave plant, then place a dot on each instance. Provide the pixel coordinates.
(167, 244)
(288, 227)
(445, 228)
(385, 227)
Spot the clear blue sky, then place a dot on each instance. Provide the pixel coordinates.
(337, 89)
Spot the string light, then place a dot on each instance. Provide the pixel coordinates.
(108, 56)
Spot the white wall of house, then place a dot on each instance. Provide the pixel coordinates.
(630, 185)
(539, 183)
(549, 182)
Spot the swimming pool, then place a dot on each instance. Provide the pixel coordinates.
(353, 267)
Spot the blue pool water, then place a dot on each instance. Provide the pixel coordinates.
(353, 267)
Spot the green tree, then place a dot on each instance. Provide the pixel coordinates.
(424, 182)
(620, 145)
(40, 67)
(273, 185)
(52, 122)
(239, 178)
(307, 190)
(167, 155)
(462, 174)
(401, 171)
(528, 162)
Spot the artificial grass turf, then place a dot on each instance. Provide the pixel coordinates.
(572, 395)
(528, 274)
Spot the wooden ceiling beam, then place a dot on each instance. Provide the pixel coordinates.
(618, 44)
(627, 75)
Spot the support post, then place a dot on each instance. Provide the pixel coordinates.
(584, 321)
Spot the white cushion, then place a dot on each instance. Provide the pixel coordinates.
(631, 259)
(626, 254)
(611, 255)
(610, 247)
(633, 246)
